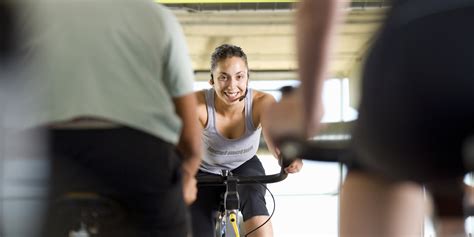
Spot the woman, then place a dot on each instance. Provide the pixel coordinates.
(231, 115)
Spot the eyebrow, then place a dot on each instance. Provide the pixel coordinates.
(227, 74)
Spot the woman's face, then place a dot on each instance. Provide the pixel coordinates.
(230, 79)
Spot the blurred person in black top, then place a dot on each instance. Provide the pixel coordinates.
(415, 121)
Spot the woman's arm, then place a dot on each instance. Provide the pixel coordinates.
(263, 101)
(201, 108)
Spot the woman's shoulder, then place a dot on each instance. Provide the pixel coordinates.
(260, 97)
(201, 107)
(260, 101)
(201, 96)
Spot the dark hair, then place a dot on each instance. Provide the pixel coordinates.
(226, 51)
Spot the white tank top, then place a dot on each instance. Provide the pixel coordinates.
(224, 153)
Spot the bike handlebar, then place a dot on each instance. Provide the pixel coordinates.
(211, 180)
(217, 180)
(317, 150)
(291, 149)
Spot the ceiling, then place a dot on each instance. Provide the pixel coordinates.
(265, 31)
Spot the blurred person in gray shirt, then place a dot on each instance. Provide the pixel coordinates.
(113, 88)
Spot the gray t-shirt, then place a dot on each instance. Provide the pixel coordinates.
(224, 153)
(121, 60)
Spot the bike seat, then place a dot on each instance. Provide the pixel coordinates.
(89, 208)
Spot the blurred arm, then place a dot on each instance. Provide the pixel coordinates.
(189, 144)
(298, 113)
(316, 23)
(190, 140)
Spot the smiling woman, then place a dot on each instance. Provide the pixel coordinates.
(231, 116)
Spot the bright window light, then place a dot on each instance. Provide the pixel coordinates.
(348, 113)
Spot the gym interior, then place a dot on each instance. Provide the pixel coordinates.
(306, 203)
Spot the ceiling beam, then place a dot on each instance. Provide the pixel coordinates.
(220, 1)
(250, 1)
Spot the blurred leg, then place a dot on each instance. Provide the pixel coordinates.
(450, 227)
(264, 231)
(449, 199)
(373, 207)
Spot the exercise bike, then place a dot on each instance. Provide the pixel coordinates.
(85, 214)
(228, 218)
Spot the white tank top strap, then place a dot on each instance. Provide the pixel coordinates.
(249, 126)
(209, 95)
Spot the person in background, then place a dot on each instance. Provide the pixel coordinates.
(113, 90)
(415, 120)
(231, 115)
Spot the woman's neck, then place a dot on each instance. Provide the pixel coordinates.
(226, 109)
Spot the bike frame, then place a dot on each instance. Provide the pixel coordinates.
(229, 224)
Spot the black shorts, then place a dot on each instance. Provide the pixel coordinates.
(417, 107)
(133, 168)
(252, 199)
